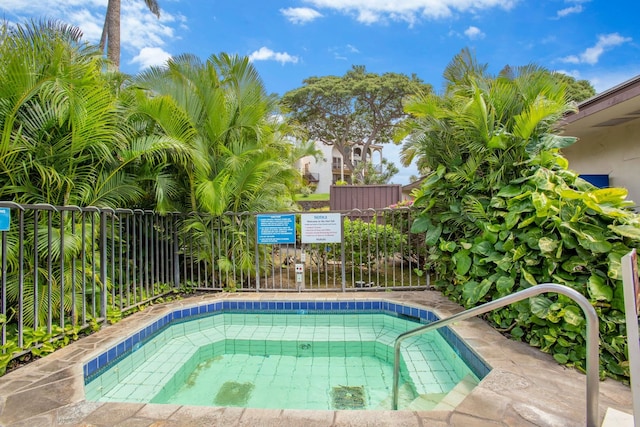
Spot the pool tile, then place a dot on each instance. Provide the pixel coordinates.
(343, 337)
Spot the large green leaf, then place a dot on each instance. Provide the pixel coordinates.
(573, 315)
(540, 203)
(550, 141)
(511, 219)
(498, 141)
(473, 291)
(434, 177)
(528, 277)
(520, 252)
(510, 191)
(540, 306)
(598, 288)
(630, 231)
(608, 195)
(462, 261)
(433, 234)
(547, 245)
(421, 224)
(504, 285)
(483, 247)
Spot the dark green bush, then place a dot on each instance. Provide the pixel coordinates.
(548, 226)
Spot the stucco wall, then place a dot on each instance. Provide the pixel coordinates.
(614, 151)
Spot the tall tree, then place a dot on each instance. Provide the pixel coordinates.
(58, 120)
(368, 174)
(63, 141)
(111, 29)
(575, 90)
(357, 108)
(241, 158)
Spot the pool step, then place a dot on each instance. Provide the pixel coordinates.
(425, 402)
(444, 401)
(457, 394)
(405, 396)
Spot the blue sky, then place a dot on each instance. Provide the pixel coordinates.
(288, 41)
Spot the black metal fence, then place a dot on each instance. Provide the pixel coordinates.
(72, 266)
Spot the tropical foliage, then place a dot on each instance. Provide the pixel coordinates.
(365, 173)
(193, 135)
(357, 108)
(502, 212)
(240, 157)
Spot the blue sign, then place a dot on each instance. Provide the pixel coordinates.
(274, 229)
(5, 219)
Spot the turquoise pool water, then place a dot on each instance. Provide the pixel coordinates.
(302, 359)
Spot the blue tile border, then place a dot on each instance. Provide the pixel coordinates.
(94, 367)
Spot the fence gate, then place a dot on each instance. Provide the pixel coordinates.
(321, 251)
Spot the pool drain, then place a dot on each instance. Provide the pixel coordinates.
(233, 394)
(344, 397)
(304, 346)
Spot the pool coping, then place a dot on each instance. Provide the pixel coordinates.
(525, 386)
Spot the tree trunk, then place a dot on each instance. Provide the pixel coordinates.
(113, 33)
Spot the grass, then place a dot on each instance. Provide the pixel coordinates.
(315, 197)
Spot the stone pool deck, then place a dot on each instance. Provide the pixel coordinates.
(524, 388)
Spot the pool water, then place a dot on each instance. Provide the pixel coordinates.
(295, 360)
(357, 382)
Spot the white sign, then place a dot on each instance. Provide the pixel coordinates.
(321, 228)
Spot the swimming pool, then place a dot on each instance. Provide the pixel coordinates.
(284, 354)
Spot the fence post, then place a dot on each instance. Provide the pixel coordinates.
(103, 263)
(176, 257)
(257, 256)
(343, 256)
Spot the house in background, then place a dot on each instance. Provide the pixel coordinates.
(607, 152)
(331, 168)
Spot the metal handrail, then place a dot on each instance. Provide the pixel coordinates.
(592, 337)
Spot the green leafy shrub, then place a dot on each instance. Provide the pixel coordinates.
(545, 227)
(502, 212)
(360, 237)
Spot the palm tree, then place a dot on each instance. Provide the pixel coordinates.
(241, 157)
(483, 125)
(111, 29)
(67, 137)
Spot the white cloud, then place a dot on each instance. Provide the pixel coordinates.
(410, 11)
(569, 10)
(592, 54)
(300, 15)
(575, 7)
(572, 73)
(266, 54)
(602, 80)
(139, 27)
(474, 33)
(342, 52)
(150, 56)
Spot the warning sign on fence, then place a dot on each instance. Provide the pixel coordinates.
(321, 228)
(274, 229)
(5, 219)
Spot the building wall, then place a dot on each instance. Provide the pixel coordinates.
(614, 151)
(324, 169)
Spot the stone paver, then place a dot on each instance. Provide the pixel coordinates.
(525, 387)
